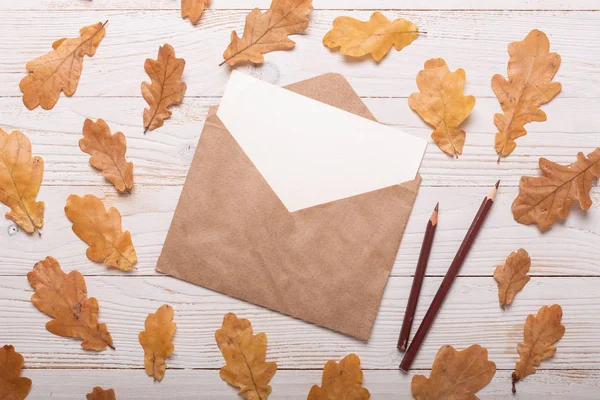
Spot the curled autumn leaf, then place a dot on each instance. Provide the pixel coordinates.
(530, 71)
(193, 9)
(455, 374)
(60, 69)
(442, 104)
(376, 36)
(268, 31)
(20, 179)
(512, 276)
(245, 355)
(102, 231)
(100, 394)
(542, 199)
(165, 89)
(64, 298)
(12, 385)
(540, 333)
(341, 381)
(156, 341)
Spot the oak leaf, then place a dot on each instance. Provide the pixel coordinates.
(376, 36)
(100, 394)
(531, 68)
(245, 355)
(542, 199)
(193, 9)
(107, 153)
(512, 276)
(341, 381)
(540, 333)
(156, 341)
(165, 89)
(60, 69)
(102, 231)
(20, 179)
(64, 298)
(268, 31)
(12, 385)
(442, 104)
(456, 375)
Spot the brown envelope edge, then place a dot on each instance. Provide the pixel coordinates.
(244, 243)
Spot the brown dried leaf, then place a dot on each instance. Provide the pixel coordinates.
(156, 341)
(107, 153)
(512, 276)
(455, 375)
(266, 32)
(166, 88)
(530, 71)
(102, 231)
(442, 104)
(101, 394)
(12, 385)
(540, 333)
(60, 69)
(376, 36)
(542, 199)
(244, 354)
(20, 179)
(341, 381)
(64, 298)
(193, 9)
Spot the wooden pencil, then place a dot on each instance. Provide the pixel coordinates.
(436, 303)
(415, 290)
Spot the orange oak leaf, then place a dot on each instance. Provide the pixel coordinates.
(102, 231)
(12, 385)
(542, 199)
(166, 88)
(455, 374)
(540, 333)
(245, 355)
(64, 298)
(341, 381)
(107, 153)
(442, 104)
(376, 36)
(193, 9)
(20, 179)
(268, 31)
(100, 394)
(530, 71)
(156, 341)
(512, 276)
(60, 69)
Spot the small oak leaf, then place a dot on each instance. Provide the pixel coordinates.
(341, 381)
(156, 340)
(100, 394)
(193, 9)
(512, 276)
(12, 385)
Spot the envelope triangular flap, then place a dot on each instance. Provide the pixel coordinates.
(327, 264)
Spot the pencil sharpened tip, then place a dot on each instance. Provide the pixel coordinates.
(437, 206)
(497, 184)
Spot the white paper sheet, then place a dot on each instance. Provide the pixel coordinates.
(311, 153)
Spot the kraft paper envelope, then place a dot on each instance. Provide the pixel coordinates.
(327, 264)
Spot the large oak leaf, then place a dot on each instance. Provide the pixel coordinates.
(341, 381)
(12, 385)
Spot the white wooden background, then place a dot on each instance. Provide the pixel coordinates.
(470, 34)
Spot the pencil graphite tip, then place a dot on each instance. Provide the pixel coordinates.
(437, 206)
(492, 194)
(498, 184)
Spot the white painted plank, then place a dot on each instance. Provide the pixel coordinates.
(568, 249)
(292, 385)
(476, 41)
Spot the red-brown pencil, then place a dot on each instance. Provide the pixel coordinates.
(415, 290)
(415, 345)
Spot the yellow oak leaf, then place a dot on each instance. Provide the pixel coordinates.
(156, 341)
(442, 104)
(12, 385)
(165, 89)
(376, 36)
(193, 9)
(64, 298)
(268, 31)
(108, 153)
(531, 68)
(100, 394)
(341, 381)
(102, 231)
(245, 355)
(20, 179)
(542, 199)
(512, 276)
(60, 69)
